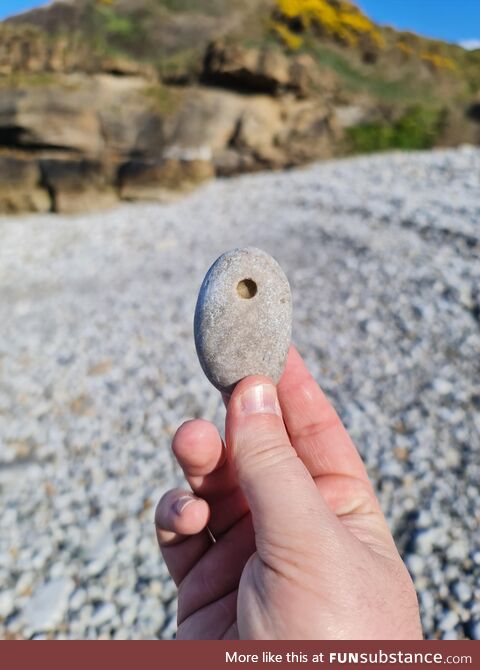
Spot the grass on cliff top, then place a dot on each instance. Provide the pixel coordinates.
(183, 63)
(357, 80)
(212, 7)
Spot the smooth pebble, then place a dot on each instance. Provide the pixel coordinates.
(243, 318)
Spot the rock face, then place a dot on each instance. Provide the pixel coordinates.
(63, 142)
(79, 114)
(130, 138)
(159, 180)
(252, 132)
(232, 66)
(265, 70)
(77, 185)
(28, 51)
(20, 186)
(98, 128)
(243, 318)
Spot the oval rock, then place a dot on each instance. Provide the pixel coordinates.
(243, 318)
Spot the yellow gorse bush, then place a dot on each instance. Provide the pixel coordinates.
(404, 48)
(291, 40)
(438, 62)
(338, 19)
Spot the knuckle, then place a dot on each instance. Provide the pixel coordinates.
(264, 449)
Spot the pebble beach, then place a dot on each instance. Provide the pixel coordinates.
(98, 368)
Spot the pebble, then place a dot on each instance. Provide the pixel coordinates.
(448, 621)
(475, 629)
(450, 635)
(103, 614)
(48, 605)
(78, 600)
(427, 540)
(243, 318)
(415, 564)
(100, 553)
(463, 591)
(6, 603)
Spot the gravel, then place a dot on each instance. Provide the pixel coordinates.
(98, 368)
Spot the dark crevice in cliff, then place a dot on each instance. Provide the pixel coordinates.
(473, 112)
(45, 184)
(16, 137)
(241, 82)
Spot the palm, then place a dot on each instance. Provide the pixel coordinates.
(227, 568)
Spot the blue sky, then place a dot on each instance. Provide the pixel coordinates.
(444, 19)
(8, 7)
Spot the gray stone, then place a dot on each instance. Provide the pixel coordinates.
(78, 600)
(474, 629)
(450, 635)
(101, 552)
(105, 613)
(415, 564)
(448, 621)
(48, 605)
(243, 318)
(427, 540)
(7, 603)
(463, 591)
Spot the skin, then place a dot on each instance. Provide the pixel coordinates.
(302, 548)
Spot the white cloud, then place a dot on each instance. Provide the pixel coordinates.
(470, 44)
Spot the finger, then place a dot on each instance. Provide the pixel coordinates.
(323, 444)
(315, 430)
(199, 449)
(217, 573)
(180, 519)
(281, 494)
(200, 452)
(213, 622)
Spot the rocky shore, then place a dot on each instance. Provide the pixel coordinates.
(98, 368)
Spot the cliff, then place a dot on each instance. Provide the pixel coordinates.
(136, 99)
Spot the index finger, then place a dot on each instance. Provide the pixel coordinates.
(315, 429)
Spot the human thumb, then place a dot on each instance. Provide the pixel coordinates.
(281, 494)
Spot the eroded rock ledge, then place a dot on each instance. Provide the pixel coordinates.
(81, 134)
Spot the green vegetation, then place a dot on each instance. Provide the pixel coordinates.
(214, 7)
(116, 25)
(368, 79)
(28, 79)
(112, 32)
(163, 100)
(418, 128)
(182, 64)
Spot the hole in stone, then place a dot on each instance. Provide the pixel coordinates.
(247, 289)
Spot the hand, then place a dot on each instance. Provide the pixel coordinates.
(302, 549)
